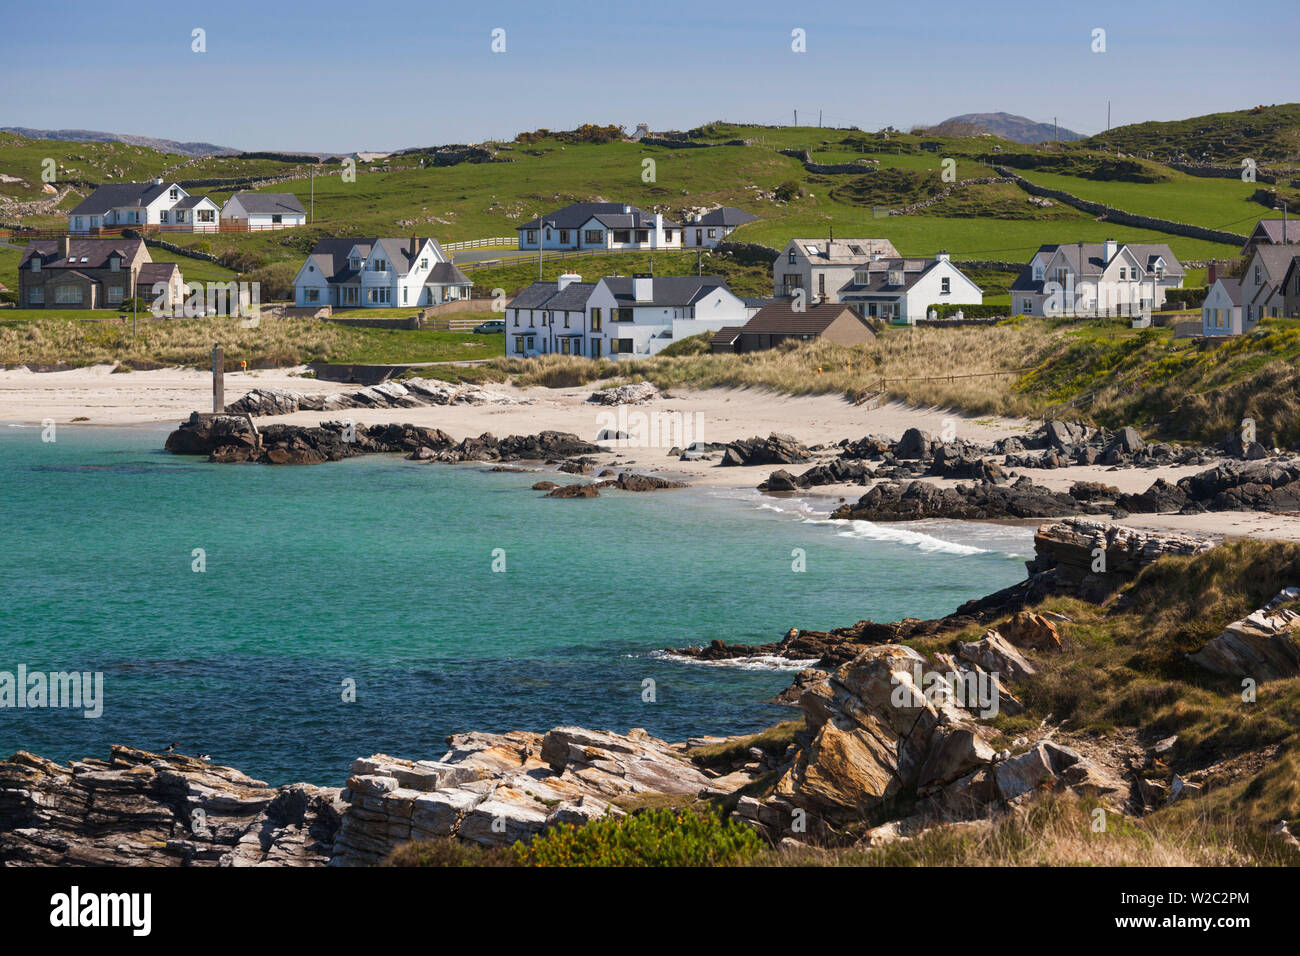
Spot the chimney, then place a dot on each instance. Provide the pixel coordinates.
(565, 279)
(627, 210)
(66, 247)
(643, 287)
(158, 181)
(942, 255)
(1213, 275)
(1111, 247)
(415, 247)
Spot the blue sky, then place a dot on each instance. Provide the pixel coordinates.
(334, 76)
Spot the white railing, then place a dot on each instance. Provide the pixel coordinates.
(491, 242)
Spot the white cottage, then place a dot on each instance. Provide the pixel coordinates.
(637, 316)
(903, 290)
(1222, 313)
(600, 225)
(158, 203)
(260, 211)
(1082, 279)
(378, 273)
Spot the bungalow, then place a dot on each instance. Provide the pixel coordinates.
(642, 314)
(714, 226)
(549, 317)
(1222, 313)
(600, 225)
(821, 267)
(1096, 278)
(378, 273)
(264, 210)
(1271, 232)
(780, 321)
(72, 273)
(144, 204)
(903, 290)
(1262, 282)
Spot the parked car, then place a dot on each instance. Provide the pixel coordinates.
(488, 328)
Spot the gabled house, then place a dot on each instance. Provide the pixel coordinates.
(1291, 289)
(378, 273)
(780, 322)
(600, 225)
(821, 267)
(1271, 232)
(550, 317)
(1221, 314)
(902, 290)
(636, 316)
(707, 230)
(75, 273)
(1096, 278)
(158, 203)
(264, 210)
(1262, 282)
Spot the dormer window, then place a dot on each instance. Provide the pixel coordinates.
(174, 195)
(36, 263)
(114, 264)
(1038, 273)
(355, 263)
(791, 257)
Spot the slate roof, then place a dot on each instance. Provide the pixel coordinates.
(782, 319)
(270, 204)
(330, 256)
(665, 291)
(96, 252)
(611, 214)
(879, 278)
(1272, 229)
(1089, 258)
(728, 216)
(446, 273)
(1233, 288)
(847, 252)
(1276, 259)
(117, 196)
(152, 272)
(545, 295)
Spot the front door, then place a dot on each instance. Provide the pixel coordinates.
(699, 237)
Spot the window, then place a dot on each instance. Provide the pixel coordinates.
(791, 283)
(713, 233)
(530, 236)
(354, 263)
(548, 234)
(1257, 280)
(945, 286)
(1160, 271)
(622, 315)
(115, 294)
(207, 215)
(162, 216)
(566, 320)
(642, 235)
(1027, 306)
(564, 346)
(622, 235)
(594, 237)
(516, 318)
(405, 292)
(1122, 273)
(379, 265)
(564, 235)
(531, 319)
(79, 222)
(114, 264)
(595, 316)
(1038, 273)
(311, 295)
(68, 294)
(174, 194)
(36, 263)
(620, 346)
(424, 264)
(519, 345)
(791, 257)
(668, 237)
(821, 283)
(36, 296)
(276, 218)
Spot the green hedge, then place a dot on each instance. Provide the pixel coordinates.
(647, 838)
(948, 310)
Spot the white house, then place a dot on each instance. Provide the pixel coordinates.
(378, 273)
(550, 317)
(600, 225)
(821, 267)
(712, 227)
(1222, 313)
(264, 210)
(636, 316)
(1096, 278)
(902, 290)
(145, 204)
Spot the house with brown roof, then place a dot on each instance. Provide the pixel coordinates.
(1271, 232)
(73, 273)
(782, 321)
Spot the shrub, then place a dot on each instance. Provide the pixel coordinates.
(448, 852)
(649, 838)
(787, 191)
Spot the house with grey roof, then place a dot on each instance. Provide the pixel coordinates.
(903, 291)
(816, 269)
(600, 225)
(376, 273)
(1082, 279)
(1272, 232)
(164, 205)
(710, 228)
(1221, 313)
(258, 211)
(1263, 282)
(100, 273)
(550, 318)
(639, 315)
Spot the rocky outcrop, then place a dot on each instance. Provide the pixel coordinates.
(1091, 559)
(627, 481)
(140, 808)
(411, 393)
(585, 490)
(775, 449)
(494, 789)
(636, 393)
(1264, 645)
(229, 438)
(896, 501)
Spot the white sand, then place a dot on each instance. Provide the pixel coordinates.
(713, 415)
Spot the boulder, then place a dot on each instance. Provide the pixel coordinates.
(1264, 645)
(997, 656)
(913, 445)
(1027, 629)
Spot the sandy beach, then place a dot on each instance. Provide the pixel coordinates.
(99, 396)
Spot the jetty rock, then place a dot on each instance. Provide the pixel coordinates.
(141, 808)
(776, 449)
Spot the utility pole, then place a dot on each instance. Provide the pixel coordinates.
(796, 117)
(819, 119)
(313, 195)
(1108, 116)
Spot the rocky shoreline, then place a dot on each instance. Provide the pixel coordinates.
(880, 757)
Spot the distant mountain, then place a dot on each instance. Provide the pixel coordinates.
(94, 136)
(1018, 129)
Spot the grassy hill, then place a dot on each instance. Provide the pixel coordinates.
(1264, 133)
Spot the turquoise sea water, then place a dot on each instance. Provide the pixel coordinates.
(379, 571)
